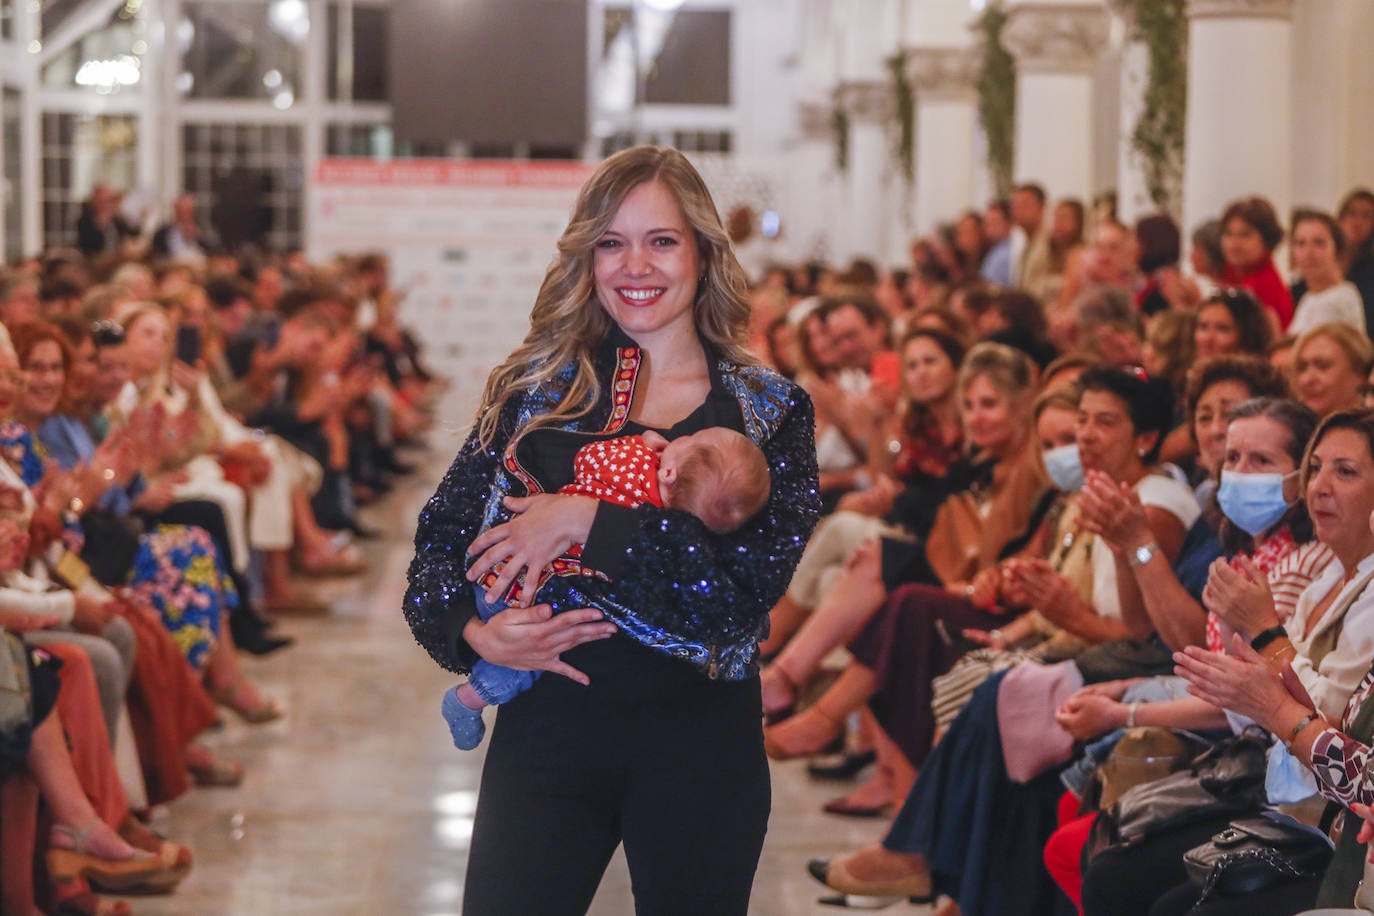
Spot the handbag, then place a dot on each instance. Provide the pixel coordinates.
(16, 701)
(1228, 777)
(1257, 852)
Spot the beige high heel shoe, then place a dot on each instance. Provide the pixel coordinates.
(142, 872)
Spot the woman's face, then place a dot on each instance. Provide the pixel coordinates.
(1064, 224)
(645, 267)
(927, 373)
(1324, 378)
(83, 372)
(1209, 420)
(822, 347)
(1357, 222)
(968, 235)
(11, 384)
(44, 376)
(1107, 439)
(1215, 333)
(1260, 445)
(1242, 245)
(1057, 426)
(1314, 250)
(147, 343)
(1340, 489)
(990, 418)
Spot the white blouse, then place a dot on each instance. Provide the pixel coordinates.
(1333, 678)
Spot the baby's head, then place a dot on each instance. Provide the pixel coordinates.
(717, 474)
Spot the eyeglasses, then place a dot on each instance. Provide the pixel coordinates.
(107, 333)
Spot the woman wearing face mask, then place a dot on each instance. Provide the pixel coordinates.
(1266, 438)
(1329, 366)
(1321, 650)
(971, 855)
(994, 492)
(910, 456)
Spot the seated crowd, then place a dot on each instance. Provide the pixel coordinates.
(1100, 525)
(183, 437)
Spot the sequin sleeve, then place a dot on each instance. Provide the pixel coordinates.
(667, 564)
(439, 600)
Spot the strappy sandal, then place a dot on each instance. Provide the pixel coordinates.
(174, 857)
(142, 872)
(80, 902)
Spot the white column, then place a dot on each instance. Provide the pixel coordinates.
(868, 106)
(1240, 114)
(808, 229)
(1055, 45)
(1132, 193)
(946, 121)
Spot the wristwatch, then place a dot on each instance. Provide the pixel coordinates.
(1142, 555)
(1265, 637)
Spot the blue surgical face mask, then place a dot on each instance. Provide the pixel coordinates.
(1254, 502)
(1064, 468)
(1286, 780)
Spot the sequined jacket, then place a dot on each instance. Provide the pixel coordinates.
(673, 586)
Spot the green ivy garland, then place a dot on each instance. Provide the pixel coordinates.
(839, 124)
(1158, 135)
(905, 147)
(997, 97)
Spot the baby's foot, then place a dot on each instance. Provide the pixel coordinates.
(464, 722)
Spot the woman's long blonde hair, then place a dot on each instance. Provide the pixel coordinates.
(568, 321)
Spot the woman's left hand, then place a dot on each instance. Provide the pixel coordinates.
(1240, 597)
(1046, 590)
(1087, 715)
(1114, 513)
(544, 527)
(1241, 682)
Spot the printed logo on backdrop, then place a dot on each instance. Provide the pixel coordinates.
(469, 241)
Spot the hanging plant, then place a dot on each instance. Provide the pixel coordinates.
(997, 97)
(904, 146)
(839, 124)
(1158, 136)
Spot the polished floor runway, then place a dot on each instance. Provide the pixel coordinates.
(357, 802)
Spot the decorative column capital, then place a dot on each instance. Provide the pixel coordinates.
(950, 73)
(1240, 9)
(866, 101)
(1055, 37)
(816, 121)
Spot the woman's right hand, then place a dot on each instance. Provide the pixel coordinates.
(533, 639)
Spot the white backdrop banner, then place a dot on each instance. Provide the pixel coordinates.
(469, 244)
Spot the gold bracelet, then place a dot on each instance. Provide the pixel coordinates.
(1274, 659)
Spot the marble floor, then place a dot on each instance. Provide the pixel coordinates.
(357, 803)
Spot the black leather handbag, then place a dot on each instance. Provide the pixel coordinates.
(1257, 852)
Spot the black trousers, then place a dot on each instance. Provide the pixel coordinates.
(651, 754)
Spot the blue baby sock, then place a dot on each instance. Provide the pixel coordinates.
(464, 723)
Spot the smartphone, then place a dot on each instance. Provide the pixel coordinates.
(188, 344)
(887, 369)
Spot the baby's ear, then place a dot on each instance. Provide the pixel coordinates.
(668, 474)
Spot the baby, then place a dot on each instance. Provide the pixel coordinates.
(717, 475)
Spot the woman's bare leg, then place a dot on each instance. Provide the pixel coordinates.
(51, 765)
(857, 594)
(785, 619)
(811, 730)
(894, 776)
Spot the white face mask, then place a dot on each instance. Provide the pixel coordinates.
(1064, 468)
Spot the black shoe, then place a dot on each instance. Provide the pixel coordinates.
(842, 767)
(264, 644)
